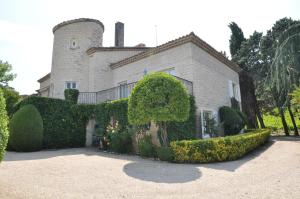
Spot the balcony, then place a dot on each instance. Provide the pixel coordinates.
(118, 92)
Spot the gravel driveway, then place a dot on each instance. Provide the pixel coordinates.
(273, 171)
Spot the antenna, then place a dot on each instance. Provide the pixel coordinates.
(156, 34)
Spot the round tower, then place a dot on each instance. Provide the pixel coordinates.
(70, 67)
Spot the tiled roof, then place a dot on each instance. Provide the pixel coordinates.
(75, 21)
(44, 78)
(177, 42)
(135, 48)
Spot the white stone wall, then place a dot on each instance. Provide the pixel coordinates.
(100, 74)
(72, 64)
(45, 83)
(179, 58)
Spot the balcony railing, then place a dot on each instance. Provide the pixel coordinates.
(118, 92)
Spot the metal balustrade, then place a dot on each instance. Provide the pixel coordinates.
(118, 92)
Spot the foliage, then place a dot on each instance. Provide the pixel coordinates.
(235, 104)
(231, 120)
(121, 142)
(3, 126)
(273, 121)
(160, 98)
(146, 148)
(236, 38)
(296, 100)
(71, 95)
(12, 97)
(64, 123)
(165, 153)
(218, 149)
(26, 129)
(5, 74)
(184, 130)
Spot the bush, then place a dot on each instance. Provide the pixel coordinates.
(146, 148)
(165, 153)
(160, 98)
(3, 126)
(121, 142)
(64, 123)
(71, 95)
(184, 130)
(12, 97)
(231, 120)
(218, 149)
(26, 129)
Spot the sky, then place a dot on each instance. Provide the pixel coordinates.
(26, 36)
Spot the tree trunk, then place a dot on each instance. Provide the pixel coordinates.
(293, 121)
(249, 102)
(285, 126)
(154, 132)
(260, 118)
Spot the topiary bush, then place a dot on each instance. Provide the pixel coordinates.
(231, 120)
(218, 149)
(146, 148)
(71, 95)
(158, 98)
(26, 129)
(121, 142)
(3, 126)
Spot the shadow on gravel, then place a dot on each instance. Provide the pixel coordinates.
(235, 164)
(162, 172)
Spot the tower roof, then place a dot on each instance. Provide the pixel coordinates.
(76, 21)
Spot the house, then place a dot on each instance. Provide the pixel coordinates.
(107, 73)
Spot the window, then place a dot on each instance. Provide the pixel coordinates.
(73, 43)
(123, 90)
(208, 124)
(71, 85)
(170, 71)
(234, 90)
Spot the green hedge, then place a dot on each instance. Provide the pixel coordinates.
(184, 130)
(64, 123)
(218, 149)
(71, 95)
(3, 126)
(232, 120)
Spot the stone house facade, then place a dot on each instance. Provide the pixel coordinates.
(107, 73)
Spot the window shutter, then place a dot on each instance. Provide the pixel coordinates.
(230, 88)
(239, 93)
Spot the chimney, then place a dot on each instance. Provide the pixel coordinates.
(119, 34)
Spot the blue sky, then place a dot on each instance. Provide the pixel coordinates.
(26, 26)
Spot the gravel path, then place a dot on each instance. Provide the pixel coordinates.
(273, 171)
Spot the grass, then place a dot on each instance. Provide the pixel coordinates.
(273, 121)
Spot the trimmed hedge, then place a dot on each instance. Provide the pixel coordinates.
(3, 126)
(71, 95)
(64, 123)
(26, 129)
(218, 149)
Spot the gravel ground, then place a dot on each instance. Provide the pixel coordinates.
(273, 171)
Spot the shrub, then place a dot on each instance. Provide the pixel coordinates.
(71, 95)
(184, 130)
(158, 97)
(121, 142)
(3, 126)
(218, 149)
(64, 123)
(232, 122)
(26, 129)
(12, 97)
(146, 148)
(165, 153)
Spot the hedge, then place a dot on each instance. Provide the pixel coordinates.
(64, 123)
(3, 126)
(232, 120)
(71, 95)
(218, 149)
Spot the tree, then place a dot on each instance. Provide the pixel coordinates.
(269, 45)
(158, 98)
(244, 53)
(12, 97)
(5, 74)
(3, 126)
(236, 38)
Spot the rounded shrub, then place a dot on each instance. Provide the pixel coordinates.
(71, 95)
(26, 129)
(232, 121)
(160, 98)
(121, 142)
(165, 153)
(146, 148)
(3, 126)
